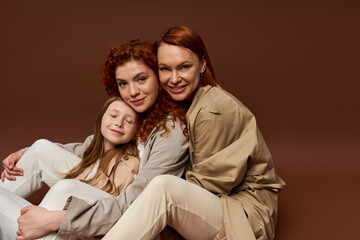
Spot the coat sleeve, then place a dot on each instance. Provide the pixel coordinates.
(169, 155)
(224, 143)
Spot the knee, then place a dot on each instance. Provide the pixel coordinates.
(68, 186)
(56, 197)
(39, 147)
(163, 183)
(35, 152)
(165, 189)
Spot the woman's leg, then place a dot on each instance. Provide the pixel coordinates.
(168, 200)
(43, 162)
(10, 207)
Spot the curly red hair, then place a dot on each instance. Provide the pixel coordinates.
(165, 108)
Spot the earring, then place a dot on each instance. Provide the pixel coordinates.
(201, 74)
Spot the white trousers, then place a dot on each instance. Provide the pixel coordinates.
(44, 162)
(55, 199)
(192, 211)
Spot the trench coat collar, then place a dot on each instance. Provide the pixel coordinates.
(110, 168)
(113, 162)
(194, 107)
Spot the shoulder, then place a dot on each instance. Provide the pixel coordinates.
(216, 100)
(165, 147)
(175, 132)
(173, 126)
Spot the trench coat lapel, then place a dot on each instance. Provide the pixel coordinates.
(191, 114)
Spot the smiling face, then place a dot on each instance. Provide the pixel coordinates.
(137, 84)
(179, 71)
(118, 124)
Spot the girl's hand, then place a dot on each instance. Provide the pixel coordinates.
(10, 170)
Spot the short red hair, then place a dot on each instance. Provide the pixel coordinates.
(185, 37)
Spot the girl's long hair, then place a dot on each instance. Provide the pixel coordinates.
(95, 151)
(165, 108)
(185, 37)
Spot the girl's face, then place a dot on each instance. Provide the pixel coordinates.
(118, 125)
(179, 71)
(138, 85)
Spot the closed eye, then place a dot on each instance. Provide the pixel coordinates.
(130, 119)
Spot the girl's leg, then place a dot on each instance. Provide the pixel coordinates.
(44, 162)
(10, 207)
(168, 200)
(56, 197)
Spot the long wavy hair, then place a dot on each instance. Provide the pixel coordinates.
(95, 151)
(165, 108)
(185, 37)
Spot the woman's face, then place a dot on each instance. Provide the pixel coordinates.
(118, 124)
(179, 71)
(138, 85)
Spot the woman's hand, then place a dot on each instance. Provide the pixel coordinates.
(10, 170)
(37, 221)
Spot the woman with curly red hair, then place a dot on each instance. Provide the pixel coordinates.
(129, 71)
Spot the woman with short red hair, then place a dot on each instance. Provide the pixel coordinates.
(231, 190)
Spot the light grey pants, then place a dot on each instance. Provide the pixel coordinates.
(192, 211)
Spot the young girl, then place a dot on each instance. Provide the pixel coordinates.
(109, 164)
(112, 156)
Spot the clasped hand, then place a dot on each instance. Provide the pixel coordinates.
(37, 221)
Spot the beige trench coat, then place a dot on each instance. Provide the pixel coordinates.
(230, 158)
(122, 174)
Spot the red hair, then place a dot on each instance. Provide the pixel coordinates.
(164, 108)
(135, 50)
(185, 37)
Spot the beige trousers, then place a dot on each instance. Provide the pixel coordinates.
(192, 211)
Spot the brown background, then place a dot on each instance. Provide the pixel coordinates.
(295, 65)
